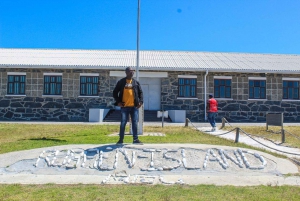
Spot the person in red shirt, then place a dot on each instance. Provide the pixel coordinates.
(211, 111)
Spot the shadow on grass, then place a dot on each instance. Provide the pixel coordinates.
(46, 139)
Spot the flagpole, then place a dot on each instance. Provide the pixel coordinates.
(141, 109)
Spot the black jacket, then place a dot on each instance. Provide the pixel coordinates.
(137, 90)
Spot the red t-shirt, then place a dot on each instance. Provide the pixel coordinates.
(212, 105)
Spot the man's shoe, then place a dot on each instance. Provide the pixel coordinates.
(137, 142)
(120, 142)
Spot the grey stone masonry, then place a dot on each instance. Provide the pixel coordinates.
(48, 109)
(70, 106)
(239, 108)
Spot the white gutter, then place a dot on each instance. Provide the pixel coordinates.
(205, 117)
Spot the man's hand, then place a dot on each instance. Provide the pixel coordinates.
(121, 104)
(140, 104)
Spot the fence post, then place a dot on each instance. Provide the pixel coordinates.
(162, 119)
(282, 136)
(223, 122)
(186, 122)
(237, 135)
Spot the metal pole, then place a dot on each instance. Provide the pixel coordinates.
(223, 122)
(162, 118)
(186, 122)
(141, 109)
(237, 136)
(138, 42)
(282, 136)
(205, 95)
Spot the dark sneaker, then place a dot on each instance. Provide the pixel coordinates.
(120, 142)
(137, 142)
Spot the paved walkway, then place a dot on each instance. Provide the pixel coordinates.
(254, 141)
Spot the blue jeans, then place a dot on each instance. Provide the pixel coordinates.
(134, 114)
(212, 118)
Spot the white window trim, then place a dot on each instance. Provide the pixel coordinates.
(55, 74)
(19, 95)
(141, 74)
(257, 78)
(257, 99)
(223, 77)
(88, 96)
(223, 98)
(187, 98)
(15, 73)
(52, 95)
(89, 74)
(187, 76)
(289, 100)
(290, 78)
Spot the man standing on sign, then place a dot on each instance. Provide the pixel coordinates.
(211, 111)
(128, 95)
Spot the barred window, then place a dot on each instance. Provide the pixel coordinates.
(290, 90)
(187, 87)
(89, 85)
(52, 85)
(222, 88)
(16, 84)
(257, 89)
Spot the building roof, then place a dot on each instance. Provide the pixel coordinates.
(149, 60)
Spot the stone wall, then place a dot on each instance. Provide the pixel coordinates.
(71, 107)
(68, 107)
(236, 109)
(48, 109)
(70, 81)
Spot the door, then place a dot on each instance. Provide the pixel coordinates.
(145, 88)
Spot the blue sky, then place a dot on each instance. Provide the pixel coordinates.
(254, 26)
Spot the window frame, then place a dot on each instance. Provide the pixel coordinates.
(95, 92)
(259, 86)
(290, 80)
(53, 83)
(227, 89)
(187, 82)
(22, 84)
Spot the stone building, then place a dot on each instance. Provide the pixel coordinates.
(62, 85)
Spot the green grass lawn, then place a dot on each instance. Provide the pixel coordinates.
(146, 192)
(15, 137)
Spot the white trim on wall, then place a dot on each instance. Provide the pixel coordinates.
(187, 76)
(15, 73)
(257, 78)
(89, 74)
(53, 74)
(291, 78)
(223, 77)
(19, 95)
(141, 74)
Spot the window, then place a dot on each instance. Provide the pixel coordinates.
(222, 88)
(89, 85)
(16, 84)
(187, 87)
(290, 89)
(52, 85)
(257, 89)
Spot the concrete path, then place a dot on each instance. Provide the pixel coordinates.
(254, 141)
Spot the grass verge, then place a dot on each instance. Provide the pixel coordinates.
(146, 192)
